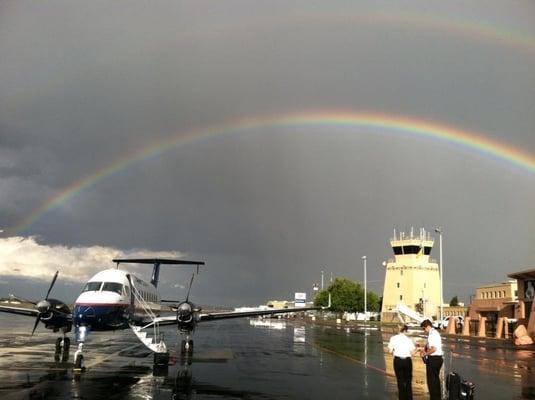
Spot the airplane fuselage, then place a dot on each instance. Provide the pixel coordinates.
(112, 299)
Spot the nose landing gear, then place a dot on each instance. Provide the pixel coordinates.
(79, 359)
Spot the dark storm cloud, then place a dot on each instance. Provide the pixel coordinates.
(84, 84)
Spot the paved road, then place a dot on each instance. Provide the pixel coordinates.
(242, 359)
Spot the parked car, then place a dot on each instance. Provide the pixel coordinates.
(460, 322)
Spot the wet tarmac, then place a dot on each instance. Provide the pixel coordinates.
(245, 359)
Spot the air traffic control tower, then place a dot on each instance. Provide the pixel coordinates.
(412, 278)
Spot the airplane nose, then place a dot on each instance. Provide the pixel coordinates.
(83, 315)
(99, 316)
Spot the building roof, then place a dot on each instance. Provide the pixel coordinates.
(528, 274)
(491, 285)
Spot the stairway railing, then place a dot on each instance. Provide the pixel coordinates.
(146, 308)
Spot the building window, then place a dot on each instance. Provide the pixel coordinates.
(401, 297)
(398, 284)
(401, 272)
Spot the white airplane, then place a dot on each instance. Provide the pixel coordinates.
(115, 299)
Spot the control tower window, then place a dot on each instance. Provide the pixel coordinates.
(411, 249)
(92, 287)
(112, 287)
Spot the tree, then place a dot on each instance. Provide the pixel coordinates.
(454, 302)
(347, 295)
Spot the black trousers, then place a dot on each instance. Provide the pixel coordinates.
(434, 363)
(403, 370)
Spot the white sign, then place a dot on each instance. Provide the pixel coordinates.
(300, 299)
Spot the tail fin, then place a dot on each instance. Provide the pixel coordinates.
(156, 262)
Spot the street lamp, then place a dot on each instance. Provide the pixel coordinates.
(365, 290)
(439, 231)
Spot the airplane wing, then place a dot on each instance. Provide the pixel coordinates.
(172, 320)
(255, 313)
(31, 312)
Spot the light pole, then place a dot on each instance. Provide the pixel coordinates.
(365, 290)
(321, 280)
(439, 231)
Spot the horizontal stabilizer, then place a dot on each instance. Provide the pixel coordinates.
(157, 261)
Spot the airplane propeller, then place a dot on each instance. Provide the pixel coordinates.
(185, 309)
(44, 305)
(189, 288)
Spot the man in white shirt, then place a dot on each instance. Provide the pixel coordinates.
(403, 348)
(433, 352)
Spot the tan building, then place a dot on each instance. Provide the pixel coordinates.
(455, 311)
(412, 277)
(494, 301)
(525, 309)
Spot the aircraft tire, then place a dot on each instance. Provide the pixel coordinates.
(190, 348)
(66, 347)
(183, 347)
(57, 353)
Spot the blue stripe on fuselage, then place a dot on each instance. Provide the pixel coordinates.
(101, 317)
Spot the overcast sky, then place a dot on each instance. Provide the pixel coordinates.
(83, 84)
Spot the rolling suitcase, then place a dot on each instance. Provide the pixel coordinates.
(453, 385)
(458, 388)
(467, 390)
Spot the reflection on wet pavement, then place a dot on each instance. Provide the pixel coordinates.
(242, 359)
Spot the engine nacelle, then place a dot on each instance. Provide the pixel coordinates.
(186, 315)
(55, 315)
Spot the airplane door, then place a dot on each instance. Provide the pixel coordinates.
(131, 290)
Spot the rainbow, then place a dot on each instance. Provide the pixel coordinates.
(351, 120)
(480, 30)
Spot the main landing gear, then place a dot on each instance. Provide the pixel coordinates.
(186, 347)
(63, 345)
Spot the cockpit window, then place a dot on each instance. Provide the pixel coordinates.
(92, 287)
(112, 287)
